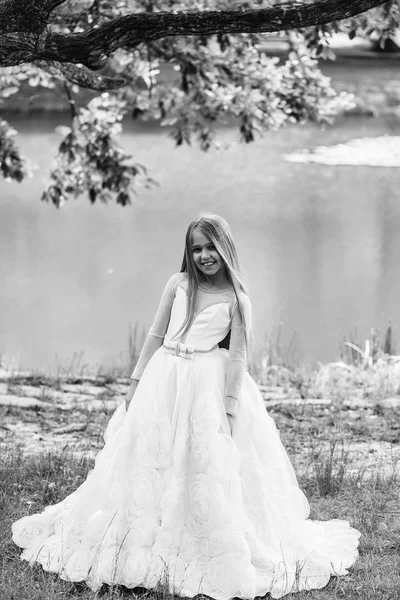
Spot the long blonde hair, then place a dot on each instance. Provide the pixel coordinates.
(217, 230)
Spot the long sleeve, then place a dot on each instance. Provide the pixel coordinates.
(237, 362)
(159, 327)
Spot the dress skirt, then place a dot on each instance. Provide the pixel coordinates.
(174, 498)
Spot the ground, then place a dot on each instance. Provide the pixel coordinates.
(340, 426)
(46, 414)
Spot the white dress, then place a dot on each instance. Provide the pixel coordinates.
(173, 497)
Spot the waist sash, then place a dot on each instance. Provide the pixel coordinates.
(184, 350)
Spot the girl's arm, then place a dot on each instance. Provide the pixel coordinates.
(237, 357)
(157, 331)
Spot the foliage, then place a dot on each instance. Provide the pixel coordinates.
(12, 165)
(89, 158)
(188, 84)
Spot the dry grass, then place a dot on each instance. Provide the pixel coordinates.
(367, 369)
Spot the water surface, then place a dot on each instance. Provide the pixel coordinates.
(319, 245)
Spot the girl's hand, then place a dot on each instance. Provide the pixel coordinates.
(231, 420)
(131, 391)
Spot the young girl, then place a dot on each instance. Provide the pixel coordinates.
(193, 486)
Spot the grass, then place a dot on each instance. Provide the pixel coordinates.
(28, 484)
(368, 370)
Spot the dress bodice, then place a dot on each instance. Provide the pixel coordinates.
(210, 326)
(216, 314)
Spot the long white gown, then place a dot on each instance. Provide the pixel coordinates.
(173, 497)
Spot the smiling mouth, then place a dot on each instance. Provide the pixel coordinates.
(208, 264)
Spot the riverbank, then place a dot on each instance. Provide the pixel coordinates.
(358, 405)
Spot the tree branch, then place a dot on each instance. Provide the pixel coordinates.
(26, 15)
(50, 5)
(81, 76)
(71, 101)
(93, 47)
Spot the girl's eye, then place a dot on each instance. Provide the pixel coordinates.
(210, 247)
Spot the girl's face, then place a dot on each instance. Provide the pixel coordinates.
(205, 255)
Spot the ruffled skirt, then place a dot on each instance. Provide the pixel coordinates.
(174, 498)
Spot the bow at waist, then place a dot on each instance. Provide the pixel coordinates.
(184, 350)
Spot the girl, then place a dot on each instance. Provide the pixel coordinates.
(193, 486)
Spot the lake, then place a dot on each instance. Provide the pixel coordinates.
(319, 245)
